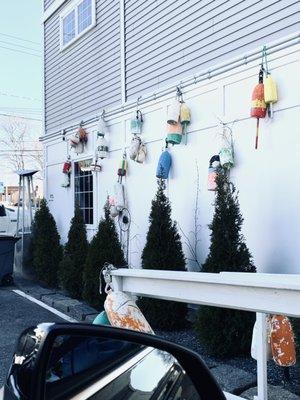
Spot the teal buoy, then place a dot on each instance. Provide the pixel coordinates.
(101, 319)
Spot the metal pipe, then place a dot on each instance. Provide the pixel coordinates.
(18, 213)
(33, 194)
(29, 198)
(23, 220)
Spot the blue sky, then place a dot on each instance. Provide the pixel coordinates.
(21, 74)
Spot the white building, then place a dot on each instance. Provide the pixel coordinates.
(107, 54)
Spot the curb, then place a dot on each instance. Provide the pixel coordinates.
(57, 299)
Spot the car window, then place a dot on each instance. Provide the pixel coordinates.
(157, 376)
(78, 361)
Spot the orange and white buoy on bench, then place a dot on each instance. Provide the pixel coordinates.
(123, 312)
(121, 309)
(282, 341)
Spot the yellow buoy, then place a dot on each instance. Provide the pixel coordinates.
(270, 93)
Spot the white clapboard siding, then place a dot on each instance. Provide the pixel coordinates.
(85, 77)
(167, 40)
(47, 3)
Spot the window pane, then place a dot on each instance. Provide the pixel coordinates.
(84, 15)
(83, 192)
(69, 27)
(91, 216)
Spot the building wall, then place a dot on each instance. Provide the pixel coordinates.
(265, 178)
(165, 41)
(47, 3)
(85, 77)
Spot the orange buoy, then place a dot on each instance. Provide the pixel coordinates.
(282, 341)
(258, 105)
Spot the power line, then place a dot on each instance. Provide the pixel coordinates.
(19, 38)
(19, 45)
(19, 116)
(21, 110)
(19, 97)
(20, 51)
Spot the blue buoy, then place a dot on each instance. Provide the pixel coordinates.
(164, 165)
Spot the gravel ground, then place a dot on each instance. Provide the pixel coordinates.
(188, 338)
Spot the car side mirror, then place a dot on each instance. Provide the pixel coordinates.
(81, 361)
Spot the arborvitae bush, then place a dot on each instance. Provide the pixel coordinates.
(104, 248)
(226, 332)
(163, 251)
(75, 253)
(46, 248)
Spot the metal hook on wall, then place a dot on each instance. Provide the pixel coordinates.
(138, 102)
(179, 94)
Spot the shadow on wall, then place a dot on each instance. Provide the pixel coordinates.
(284, 232)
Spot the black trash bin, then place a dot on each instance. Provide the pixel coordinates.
(7, 252)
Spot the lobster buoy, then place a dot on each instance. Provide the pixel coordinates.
(214, 164)
(101, 146)
(142, 153)
(255, 340)
(164, 165)
(119, 198)
(102, 126)
(112, 207)
(174, 112)
(282, 341)
(122, 170)
(67, 172)
(174, 135)
(67, 167)
(101, 319)
(185, 117)
(270, 92)
(136, 123)
(137, 150)
(134, 147)
(82, 134)
(74, 140)
(66, 181)
(95, 166)
(122, 312)
(258, 105)
(226, 157)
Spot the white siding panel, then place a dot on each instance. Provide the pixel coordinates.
(168, 40)
(85, 77)
(47, 3)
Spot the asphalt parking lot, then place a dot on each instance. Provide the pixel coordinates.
(17, 313)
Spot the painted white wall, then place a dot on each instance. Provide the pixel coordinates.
(267, 178)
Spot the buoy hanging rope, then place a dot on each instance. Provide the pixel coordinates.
(258, 105)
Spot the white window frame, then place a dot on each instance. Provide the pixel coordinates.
(74, 6)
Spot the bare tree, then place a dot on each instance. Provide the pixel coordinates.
(19, 144)
(192, 240)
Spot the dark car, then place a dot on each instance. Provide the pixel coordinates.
(78, 361)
